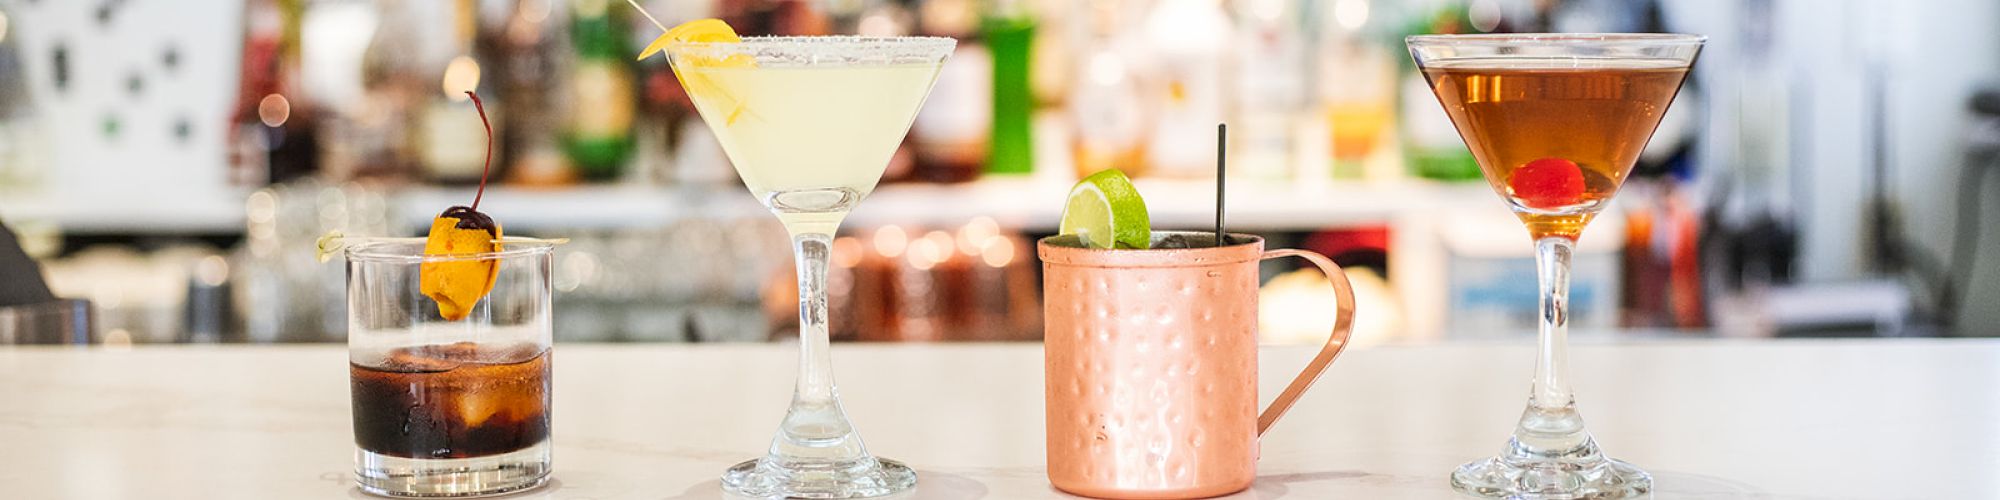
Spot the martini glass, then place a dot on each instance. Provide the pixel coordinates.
(1556, 121)
(809, 123)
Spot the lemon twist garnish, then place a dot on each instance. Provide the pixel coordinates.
(696, 31)
(706, 31)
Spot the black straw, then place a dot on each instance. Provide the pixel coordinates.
(1221, 169)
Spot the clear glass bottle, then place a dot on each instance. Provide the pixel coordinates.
(530, 49)
(1357, 84)
(953, 132)
(1187, 86)
(1106, 112)
(1269, 93)
(451, 142)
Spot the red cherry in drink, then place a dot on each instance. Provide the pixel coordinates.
(1547, 183)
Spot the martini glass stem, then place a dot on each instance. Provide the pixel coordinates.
(815, 433)
(1551, 390)
(1551, 426)
(815, 383)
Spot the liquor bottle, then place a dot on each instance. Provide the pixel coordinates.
(665, 111)
(1357, 85)
(1190, 43)
(1105, 108)
(1431, 146)
(1009, 30)
(775, 17)
(953, 131)
(393, 86)
(883, 18)
(529, 62)
(844, 16)
(1269, 94)
(274, 137)
(451, 141)
(1052, 61)
(603, 97)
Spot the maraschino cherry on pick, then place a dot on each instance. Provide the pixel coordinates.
(458, 284)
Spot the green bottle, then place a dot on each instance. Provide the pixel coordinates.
(1009, 30)
(603, 96)
(1431, 145)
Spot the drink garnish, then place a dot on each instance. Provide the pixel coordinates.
(457, 285)
(696, 31)
(1105, 211)
(704, 31)
(1548, 183)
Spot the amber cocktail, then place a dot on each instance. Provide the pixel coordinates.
(1556, 122)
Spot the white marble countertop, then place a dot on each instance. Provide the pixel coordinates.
(1874, 419)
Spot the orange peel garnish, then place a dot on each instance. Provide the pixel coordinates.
(706, 31)
(696, 31)
(457, 285)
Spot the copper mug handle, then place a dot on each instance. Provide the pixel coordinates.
(1343, 326)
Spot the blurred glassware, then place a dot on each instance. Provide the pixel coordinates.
(208, 314)
(968, 283)
(64, 321)
(697, 279)
(141, 296)
(280, 289)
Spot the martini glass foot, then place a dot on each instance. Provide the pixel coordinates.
(867, 477)
(1581, 474)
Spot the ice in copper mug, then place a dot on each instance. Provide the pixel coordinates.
(1152, 364)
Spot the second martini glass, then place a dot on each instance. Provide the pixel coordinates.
(810, 123)
(1556, 122)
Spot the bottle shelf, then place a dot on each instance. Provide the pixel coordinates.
(1028, 204)
(1025, 203)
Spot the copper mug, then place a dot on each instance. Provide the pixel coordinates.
(1151, 359)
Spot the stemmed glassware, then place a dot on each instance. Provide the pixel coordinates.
(810, 124)
(1556, 122)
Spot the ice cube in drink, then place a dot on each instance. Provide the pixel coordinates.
(445, 401)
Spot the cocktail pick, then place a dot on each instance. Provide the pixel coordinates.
(1221, 168)
(649, 15)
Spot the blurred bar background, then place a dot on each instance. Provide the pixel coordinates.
(173, 163)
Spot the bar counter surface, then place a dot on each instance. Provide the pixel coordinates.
(1861, 419)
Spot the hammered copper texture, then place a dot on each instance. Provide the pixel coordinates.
(1151, 370)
